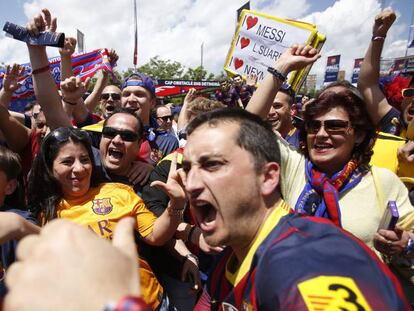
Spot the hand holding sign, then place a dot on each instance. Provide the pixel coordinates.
(261, 39)
(42, 22)
(40, 31)
(296, 57)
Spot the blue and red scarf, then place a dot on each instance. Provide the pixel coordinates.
(320, 195)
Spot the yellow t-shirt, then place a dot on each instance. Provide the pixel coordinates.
(385, 151)
(101, 209)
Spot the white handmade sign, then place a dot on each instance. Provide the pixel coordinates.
(260, 40)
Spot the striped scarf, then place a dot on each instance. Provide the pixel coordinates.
(320, 197)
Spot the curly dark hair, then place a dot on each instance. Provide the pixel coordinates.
(44, 189)
(354, 105)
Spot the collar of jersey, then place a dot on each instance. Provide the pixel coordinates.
(282, 209)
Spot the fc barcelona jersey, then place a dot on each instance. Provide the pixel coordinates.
(305, 263)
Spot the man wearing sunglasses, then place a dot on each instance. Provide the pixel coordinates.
(110, 100)
(164, 117)
(122, 134)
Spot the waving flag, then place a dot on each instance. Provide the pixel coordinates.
(84, 65)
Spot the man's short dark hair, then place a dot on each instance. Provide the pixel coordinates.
(287, 89)
(255, 135)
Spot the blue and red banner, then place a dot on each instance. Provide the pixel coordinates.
(84, 65)
(332, 68)
(357, 69)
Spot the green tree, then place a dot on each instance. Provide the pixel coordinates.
(198, 73)
(221, 76)
(160, 69)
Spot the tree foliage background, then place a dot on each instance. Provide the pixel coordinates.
(158, 68)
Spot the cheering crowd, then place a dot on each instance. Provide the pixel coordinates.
(248, 200)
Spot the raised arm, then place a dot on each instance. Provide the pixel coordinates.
(166, 224)
(15, 227)
(183, 118)
(73, 89)
(10, 83)
(368, 82)
(44, 86)
(296, 57)
(93, 99)
(17, 136)
(66, 58)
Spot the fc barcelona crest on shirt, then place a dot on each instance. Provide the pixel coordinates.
(102, 206)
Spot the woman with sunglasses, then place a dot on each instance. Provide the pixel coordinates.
(330, 175)
(63, 184)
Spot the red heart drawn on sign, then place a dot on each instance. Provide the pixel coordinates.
(244, 42)
(251, 22)
(238, 63)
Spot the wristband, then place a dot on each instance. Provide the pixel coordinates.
(277, 74)
(69, 103)
(128, 303)
(190, 255)
(40, 70)
(378, 38)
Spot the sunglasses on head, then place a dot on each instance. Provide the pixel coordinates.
(331, 126)
(114, 96)
(165, 118)
(126, 135)
(62, 134)
(407, 92)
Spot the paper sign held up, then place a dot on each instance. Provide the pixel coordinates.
(259, 41)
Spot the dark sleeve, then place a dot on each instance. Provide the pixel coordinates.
(333, 268)
(235, 94)
(155, 199)
(387, 125)
(251, 89)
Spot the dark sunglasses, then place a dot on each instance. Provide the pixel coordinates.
(114, 96)
(165, 118)
(331, 126)
(407, 92)
(126, 135)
